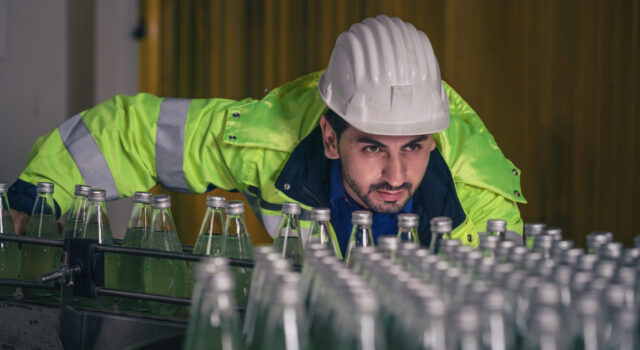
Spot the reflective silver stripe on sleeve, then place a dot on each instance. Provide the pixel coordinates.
(170, 143)
(87, 155)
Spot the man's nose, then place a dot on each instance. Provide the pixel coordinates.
(394, 171)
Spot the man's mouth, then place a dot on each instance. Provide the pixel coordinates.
(390, 196)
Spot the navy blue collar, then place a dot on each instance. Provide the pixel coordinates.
(307, 175)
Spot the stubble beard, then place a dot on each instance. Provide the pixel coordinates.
(383, 207)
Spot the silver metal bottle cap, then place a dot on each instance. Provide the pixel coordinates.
(543, 241)
(320, 214)
(44, 187)
(489, 242)
(97, 195)
(598, 238)
(588, 262)
(291, 208)
(555, 232)
(234, 207)
(161, 201)
(215, 202)
(142, 197)
(361, 217)
(494, 300)
(533, 228)
(611, 250)
(407, 220)
(496, 225)
(3, 187)
(467, 318)
(389, 243)
(441, 224)
(571, 256)
(81, 190)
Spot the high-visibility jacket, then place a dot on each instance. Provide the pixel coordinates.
(269, 149)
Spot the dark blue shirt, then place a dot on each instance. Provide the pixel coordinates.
(342, 206)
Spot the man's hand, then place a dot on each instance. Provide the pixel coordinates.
(20, 221)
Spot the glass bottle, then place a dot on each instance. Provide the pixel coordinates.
(74, 224)
(284, 328)
(218, 324)
(288, 239)
(362, 328)
(321, 231)
(597, 239)
(9, 251)
(441, 227)
(546, 332)
(543, 244)
(498, 228)
(40, 259)
(164, 276)
(361, 235)
(130, 266)
(555, 232)
(388, 245)
(237, 245)
(488, 245)
(211, 238)
(532, 229)
(97, 227)
(408, 228)
(466, 322)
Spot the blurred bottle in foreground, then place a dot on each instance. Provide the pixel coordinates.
(9, 252)
(164, 276)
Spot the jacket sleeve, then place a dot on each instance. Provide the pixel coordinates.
(128, 144)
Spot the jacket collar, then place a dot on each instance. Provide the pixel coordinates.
(305, 178)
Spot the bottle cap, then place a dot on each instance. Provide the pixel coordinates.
(142, 197)
(215, 202)
(626, 275)
(361, 217)
(615, 296)
(364, 301)
(494, 300)
(531, 260)
(546, 320)
(471, 260)
(504, 248)
(409, 246)
(612, 251)
(630, 257)
(287, 292)
(543, 241)
(533, 228)
(598, 238)
(467, 318)
(435, 307)
(388, 243)
(571, 256)
(234, 207)
(555, 232)
(82, 190)
(3, 187)
(161, 201)
(320, 214)
(291, 208)
(407, 220)
(545, 267)
(588, 262)
(500, 271)
(547, 293)
(97, 195)
(441, 224)
(490, 242)
(562, 274)
(517, 254)
(44, 187)
(606, 269)
(588, 305)
(580, 280)
(561, 246)
(496, 225)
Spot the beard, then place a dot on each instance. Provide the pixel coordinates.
(379, 207)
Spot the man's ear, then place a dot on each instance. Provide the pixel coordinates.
(329, 139)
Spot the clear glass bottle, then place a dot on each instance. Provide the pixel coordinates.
(130, 275)
(211, 237)
(362, 327)
(498, 228)
(321, 231)
(499, 330)
(441, 227)
(74, 224)
(586, 325)
(39, 259)
(532, 229)
(361, 235)
(546, 332)
(97, 227)
(408, 228)
(237, 245)
(554, 232)
(488, 245)
(466, 322)
(9, 251)
(288, 239)
(218, 324)
(164, 276)
(388, 245)
(596, 239)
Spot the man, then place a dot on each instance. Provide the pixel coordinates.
(394, 139)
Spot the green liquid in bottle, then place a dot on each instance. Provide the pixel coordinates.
(293, 249)
(9, 259)
(130, 267)
(217, 245)
(240, 248)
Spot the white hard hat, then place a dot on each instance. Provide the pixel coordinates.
(383, 78)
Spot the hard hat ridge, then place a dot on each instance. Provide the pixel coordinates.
(383, 78)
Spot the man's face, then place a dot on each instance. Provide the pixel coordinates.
(379, 172)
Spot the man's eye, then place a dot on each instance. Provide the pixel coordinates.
(413, 148)
(371, 149)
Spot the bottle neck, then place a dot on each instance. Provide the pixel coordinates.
(213, 223)
(140, 216)
(289, 226)
(362, 236)
(408, 234)
(319, 232)
(43, 205)
(97, 224)
(162, 221)
(235, 226)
